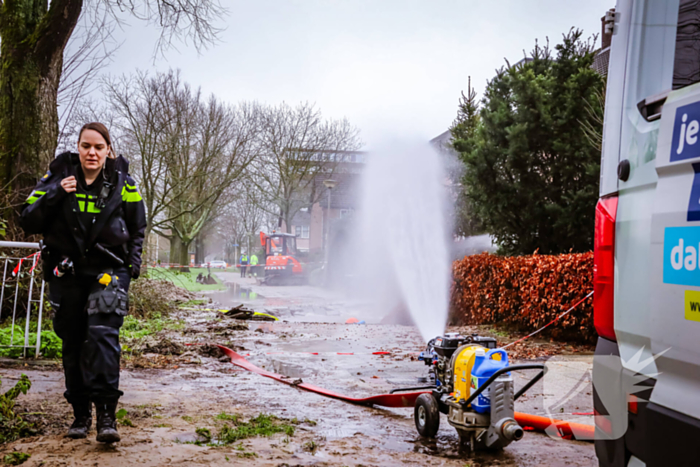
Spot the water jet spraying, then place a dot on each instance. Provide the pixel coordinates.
(404, 234)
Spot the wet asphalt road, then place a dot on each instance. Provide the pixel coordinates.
(313, 322)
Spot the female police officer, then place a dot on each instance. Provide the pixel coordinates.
(93, 220)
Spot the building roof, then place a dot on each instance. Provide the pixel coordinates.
(443, 143)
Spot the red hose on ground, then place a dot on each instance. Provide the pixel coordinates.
(564, 429)
(386, 400)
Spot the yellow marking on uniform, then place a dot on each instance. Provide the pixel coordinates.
(34, 196)
(91, 207)
(130, 194)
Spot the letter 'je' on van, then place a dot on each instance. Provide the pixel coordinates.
(688, 134)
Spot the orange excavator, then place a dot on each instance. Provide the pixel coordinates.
(281, 263)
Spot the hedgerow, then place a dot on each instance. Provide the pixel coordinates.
(526, 292)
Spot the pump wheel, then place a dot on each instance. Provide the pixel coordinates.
(426, 414)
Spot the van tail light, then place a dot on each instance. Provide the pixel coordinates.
(604, 268)
(633, 404)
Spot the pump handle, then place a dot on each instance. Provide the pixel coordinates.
(524, 366)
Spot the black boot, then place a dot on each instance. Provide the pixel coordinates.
(83, 419)
(107, 423)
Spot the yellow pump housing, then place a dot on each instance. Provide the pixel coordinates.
(463, 364)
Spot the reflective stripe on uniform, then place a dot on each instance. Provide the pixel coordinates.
(82, 198)
(130, 194)
(34, 196)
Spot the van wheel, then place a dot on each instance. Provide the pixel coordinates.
(426, 414)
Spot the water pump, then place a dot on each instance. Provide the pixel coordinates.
(472, 385)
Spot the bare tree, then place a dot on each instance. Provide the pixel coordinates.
(297, 145)
(89, 49)
(141, 106)
(187, 152)
(33, 37)
(185, 20)
(242, 218)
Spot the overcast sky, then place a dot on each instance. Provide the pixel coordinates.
(394, 68)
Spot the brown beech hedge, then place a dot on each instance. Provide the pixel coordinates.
(526, 292)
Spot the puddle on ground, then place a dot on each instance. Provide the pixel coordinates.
(292, 369)
(236, 293)
(190, 437)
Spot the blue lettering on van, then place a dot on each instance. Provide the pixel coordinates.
(694, 202)
(681, 261)
(686, 129)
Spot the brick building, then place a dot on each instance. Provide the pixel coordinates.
(309, 224)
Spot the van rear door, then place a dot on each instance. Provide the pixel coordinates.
(675, 230)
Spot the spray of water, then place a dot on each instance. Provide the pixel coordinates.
(404, 233)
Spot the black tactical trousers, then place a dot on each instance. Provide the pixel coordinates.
(91, 350)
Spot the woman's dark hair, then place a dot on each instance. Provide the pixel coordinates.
(98, 127)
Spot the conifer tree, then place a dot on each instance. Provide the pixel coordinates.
(531, 173)
(466, 221)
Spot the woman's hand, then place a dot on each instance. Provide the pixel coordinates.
(69, 184)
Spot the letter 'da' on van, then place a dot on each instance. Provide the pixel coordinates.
(682, 256)
(687, 258)
(677, 256)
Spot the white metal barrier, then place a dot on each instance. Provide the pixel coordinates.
(14, 273)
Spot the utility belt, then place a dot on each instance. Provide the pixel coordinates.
(108, 301)
(107, 296)
(58, 266)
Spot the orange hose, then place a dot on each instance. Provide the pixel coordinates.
(567, 430)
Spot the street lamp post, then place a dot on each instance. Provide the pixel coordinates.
(330, 184)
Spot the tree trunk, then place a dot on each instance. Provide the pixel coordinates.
(32, 40)
(199, 252)
(178, 251)
(288, 223)
(148, 254)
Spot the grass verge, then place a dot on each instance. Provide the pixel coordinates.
(186, 280)
(134, 328)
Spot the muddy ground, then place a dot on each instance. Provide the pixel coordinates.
(172, 389)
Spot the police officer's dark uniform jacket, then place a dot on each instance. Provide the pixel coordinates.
(86, 226)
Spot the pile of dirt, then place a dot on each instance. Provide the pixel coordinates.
(149, 296)
(202, 279)
(160, 345)
(221, 326)
(208, 350)
(161, 362)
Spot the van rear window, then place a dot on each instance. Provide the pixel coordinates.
(686, 66)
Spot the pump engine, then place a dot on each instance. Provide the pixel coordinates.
(472, 385)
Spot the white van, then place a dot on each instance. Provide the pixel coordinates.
(647, 241)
